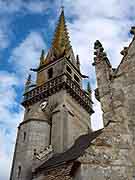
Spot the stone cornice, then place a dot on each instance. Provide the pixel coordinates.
(55, 85)
(28, 120)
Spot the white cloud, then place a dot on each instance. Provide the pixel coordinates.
(10, 109)
(37, 7)
(8, 132)
(27, 54)
(4, 165)
(3, 39)
(23, 6)
(8, 10)
(5, 34)
(9, 120)
(100, 8)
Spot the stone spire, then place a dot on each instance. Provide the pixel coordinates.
(61, 44)
(42, 57)
(89, 89)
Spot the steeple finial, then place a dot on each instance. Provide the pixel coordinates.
(62, 8)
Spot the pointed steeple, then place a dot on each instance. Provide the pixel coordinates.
(88, 89)
(61, 44)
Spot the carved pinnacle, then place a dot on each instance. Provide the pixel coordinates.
(97, 44)
(132, 31)
(124, 51)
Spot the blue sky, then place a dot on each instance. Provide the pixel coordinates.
(27, 27)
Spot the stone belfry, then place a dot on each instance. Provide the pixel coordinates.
(57, 109)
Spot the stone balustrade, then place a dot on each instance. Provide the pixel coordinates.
(61, 82)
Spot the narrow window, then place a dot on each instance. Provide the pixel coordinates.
(19, 171)
(28, 109)
(69, 70)
(76, 79)
(50, 73)
(24, 136)
(35, 152)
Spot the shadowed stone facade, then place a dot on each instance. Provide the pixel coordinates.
(54, 140)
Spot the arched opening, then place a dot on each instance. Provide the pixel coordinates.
(24, 136)
(19, 172)
(76, 78)
(50, 73)
(68, 69)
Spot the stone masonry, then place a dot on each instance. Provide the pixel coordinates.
(111, 156)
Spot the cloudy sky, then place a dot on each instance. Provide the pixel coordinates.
(27, 27)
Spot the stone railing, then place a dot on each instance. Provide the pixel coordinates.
(43, 88)
(78, 91)
(61, 82)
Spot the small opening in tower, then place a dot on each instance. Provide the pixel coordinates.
(19, 171)
(35, 152)
(50, 73)
(69, 70)
(28, 109)
(24, 136)
(76, 78)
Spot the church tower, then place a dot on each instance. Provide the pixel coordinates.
(57, 109)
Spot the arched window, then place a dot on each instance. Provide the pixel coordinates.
(50, 73)
(24, 136)
(76, 78)
(69, 69)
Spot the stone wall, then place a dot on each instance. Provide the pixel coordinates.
(59, 67)
(32, 135)
(69, 120)
(111, 156)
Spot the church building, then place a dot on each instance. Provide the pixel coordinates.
(55, 140)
